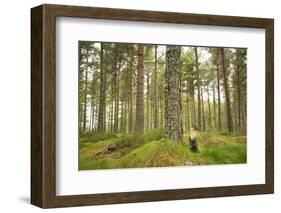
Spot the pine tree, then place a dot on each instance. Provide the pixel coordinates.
(139, 126)
(173, 108)
(226, 89)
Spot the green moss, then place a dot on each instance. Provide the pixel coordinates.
(151, 150)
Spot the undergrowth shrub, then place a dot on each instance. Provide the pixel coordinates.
(154, 135)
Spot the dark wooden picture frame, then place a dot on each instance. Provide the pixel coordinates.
(43, 105)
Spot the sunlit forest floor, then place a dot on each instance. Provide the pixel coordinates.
(110, 151)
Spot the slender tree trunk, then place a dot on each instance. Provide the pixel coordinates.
(155, 91)
(112, 109)
(234, 107)
(122, 117)
(238, 98)
(96, 112)
(125, 115)
(139, 126)
(102, 103)
(90, 121)
(85, 92)
(161, 112)
(209, 109)
(151, 122)
(226, 89)
(198, 88)
(93, 93)
(219, 96)
(92, 115)
(214, 106)
(187, 108)
(104, 118)
(93, 118)
(244, 117)
(173, 109)
(203, 110)
(116, 109)
(194, 119)
(81, 106)
(130, 119)
(147, 101)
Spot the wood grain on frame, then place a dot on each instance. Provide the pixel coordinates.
(43, 105)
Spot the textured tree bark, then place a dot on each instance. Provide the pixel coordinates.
(139, 126)
(226, 89)
(173, 108)
(198, 89)
(101, 117)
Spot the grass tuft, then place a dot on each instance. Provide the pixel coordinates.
(92, 137)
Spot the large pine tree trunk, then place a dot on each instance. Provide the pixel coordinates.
(198, 88)
(226, 89)
(155, 91)
(139, 126)
(102, 101)
(173, 122)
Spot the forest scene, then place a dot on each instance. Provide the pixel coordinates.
(149, 105)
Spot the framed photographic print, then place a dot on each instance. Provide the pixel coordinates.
(136, 106)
